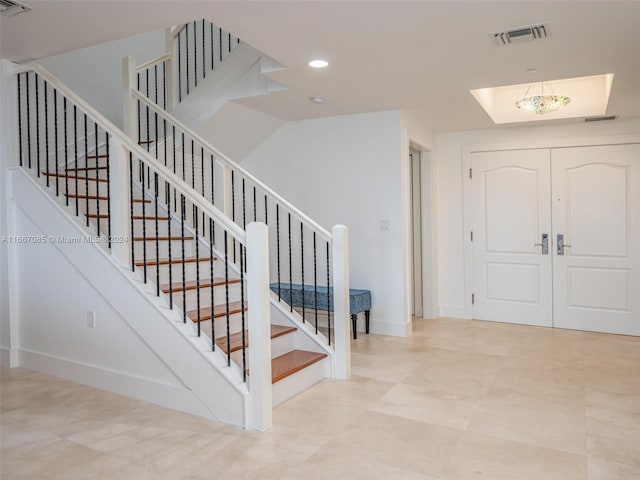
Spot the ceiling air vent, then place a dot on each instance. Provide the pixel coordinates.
(522, 34)
(8, 8)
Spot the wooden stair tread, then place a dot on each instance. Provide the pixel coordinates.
(235, 339)
(192, 284)
(79, 169)
(218, 311)
(147, 217)
(75, 177)
(90, 197)
(292, 362)
(134, 217)
(160, 239)
(103, 155)
(101, 197)
(165, 261)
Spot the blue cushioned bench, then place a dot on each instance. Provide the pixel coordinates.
(300, 296)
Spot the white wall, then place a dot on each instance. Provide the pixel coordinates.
(347, 170)
(236, 130)
(95, 73)
(450, 184)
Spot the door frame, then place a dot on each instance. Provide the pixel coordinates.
(417, 242)
(467, 150)
(429, 240)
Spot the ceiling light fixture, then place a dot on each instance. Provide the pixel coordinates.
(541, 104)
(317, 100)
(319, 63)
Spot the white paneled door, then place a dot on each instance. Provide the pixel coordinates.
(596, 206)
(511, 213)
(579, 271)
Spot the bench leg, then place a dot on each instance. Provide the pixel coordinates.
(354, 323)
(367, 314)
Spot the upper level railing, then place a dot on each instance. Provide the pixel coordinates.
(199, 47)
(194, 51)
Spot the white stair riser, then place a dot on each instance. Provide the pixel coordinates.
(283, 344)
(104, 206)
(149, 226)
(205, 296)
(235, 324)
(176, 272)
(299, 381)
(279, 346)
(161, 249)
(81, 188)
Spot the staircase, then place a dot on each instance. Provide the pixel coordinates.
(173, 212)
(162, 120)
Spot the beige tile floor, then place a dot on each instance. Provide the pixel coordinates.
(458, 400)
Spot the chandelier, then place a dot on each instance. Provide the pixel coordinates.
(541, 104)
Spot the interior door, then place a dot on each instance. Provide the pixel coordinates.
(416, 232)
(511, 212)
(596, 207)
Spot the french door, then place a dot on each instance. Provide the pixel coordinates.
(557, 237)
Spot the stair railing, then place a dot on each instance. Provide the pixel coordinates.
(302, 252)
(198, 47)
(194, 50)
(59, 133)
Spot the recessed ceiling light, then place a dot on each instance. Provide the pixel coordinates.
(532, 70)
(319, 63)
(317, 100)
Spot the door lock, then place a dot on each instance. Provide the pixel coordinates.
(544, 244)
(561, 245)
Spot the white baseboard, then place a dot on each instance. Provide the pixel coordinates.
(388, 328)
(5, 357)
(454, 311)
(145, 389)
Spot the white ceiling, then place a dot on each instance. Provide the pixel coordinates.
(422, 56)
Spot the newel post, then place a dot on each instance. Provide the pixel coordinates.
(261, 402)
(129, 102)
(341, 302)
(120, 216)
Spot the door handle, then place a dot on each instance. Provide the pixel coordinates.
(544, 244)
(561, 245)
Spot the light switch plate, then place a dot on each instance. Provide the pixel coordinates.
(91, 319)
